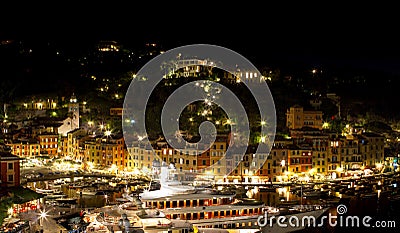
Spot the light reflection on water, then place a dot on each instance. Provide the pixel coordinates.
(280, 195)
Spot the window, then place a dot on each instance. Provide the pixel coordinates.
(10, 166)
(11, 178)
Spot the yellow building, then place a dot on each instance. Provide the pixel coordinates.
(320, 153)
(350, 158)
(334, 164)
(371, 149)
(297, 118)
(105, 152)
(274, 168)
(73, 145)
(40, 104)
(142, 156)
(25, 148)
(217, 158)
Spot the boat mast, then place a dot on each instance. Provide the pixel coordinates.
(301, 194)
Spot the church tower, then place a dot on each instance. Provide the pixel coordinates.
(73, 109)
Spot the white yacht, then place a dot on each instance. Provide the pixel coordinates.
(202, 209)
(216, 211)
(122, 217)
(169, 185)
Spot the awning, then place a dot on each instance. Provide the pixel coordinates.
(22, 195)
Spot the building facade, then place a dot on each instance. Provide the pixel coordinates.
(9, 169)
(297, 118)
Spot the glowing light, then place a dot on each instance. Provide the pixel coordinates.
(10, 211)
(43, 215)
(312, 171)
(107, 133)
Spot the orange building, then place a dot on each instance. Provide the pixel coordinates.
(48, 144)
(299, 159)
(25, 148)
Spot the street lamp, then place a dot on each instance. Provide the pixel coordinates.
(283, 165)
(42, 216)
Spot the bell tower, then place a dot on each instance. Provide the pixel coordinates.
(73, 109)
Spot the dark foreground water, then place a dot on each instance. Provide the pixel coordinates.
(370, 213)
(355, 214)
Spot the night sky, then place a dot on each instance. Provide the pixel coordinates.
(335, 37)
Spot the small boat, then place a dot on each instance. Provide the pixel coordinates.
(267, 189)
(291, 202)
(46, 191)
(67, 200)
(54, 196)
(88, 192)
